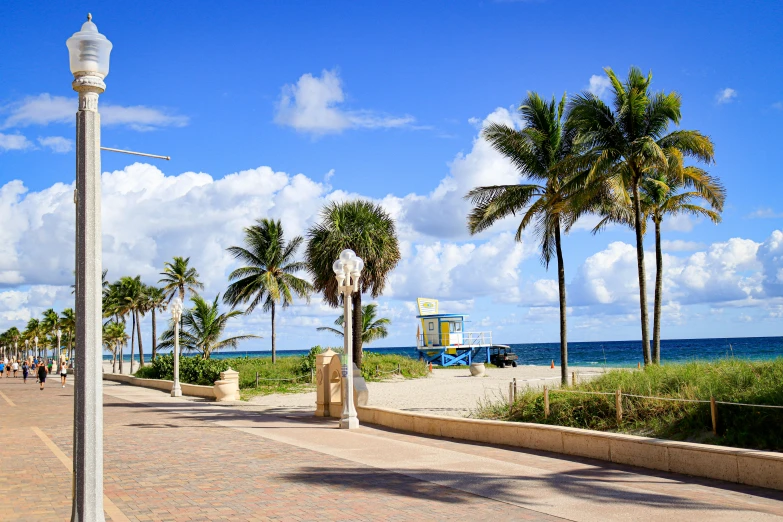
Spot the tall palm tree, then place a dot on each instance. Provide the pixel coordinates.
(117, 306)
(114, 337)
(627, 142)
(664, 194)
(538, 151)
(134, 294)
(156, 302)
(179, 277)
(203, 327)
(14, 336)
(373, 327)
(68, 322)
(368, 230)
(50, 324)
(268, 275)
(33, 330)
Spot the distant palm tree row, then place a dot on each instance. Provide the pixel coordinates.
(619, 161)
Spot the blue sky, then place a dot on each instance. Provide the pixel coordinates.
(385, 100)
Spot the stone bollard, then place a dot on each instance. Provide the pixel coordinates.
(227, 388)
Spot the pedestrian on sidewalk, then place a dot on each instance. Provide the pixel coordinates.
(2, 368)
(15, 368)
(49, 365)
(25, 372)
(63, 373)
(42, 375)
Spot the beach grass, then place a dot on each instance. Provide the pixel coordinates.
(729, 380)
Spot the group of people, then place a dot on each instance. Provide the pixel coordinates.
(40, 368)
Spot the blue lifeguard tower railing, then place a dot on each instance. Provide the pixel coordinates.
(442, 338)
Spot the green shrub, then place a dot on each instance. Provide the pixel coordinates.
(192, 370)
(147, 372)
(379, 367)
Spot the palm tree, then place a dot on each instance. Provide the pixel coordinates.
(268, 275)
(203, 327)
(156, 302)
(178, 277)
(662, 194)
(68, 322)
(50, 324)
(33, 330)
(368, 230)
(372, 328)
(14, 335)
(626, 143)
(114, 337)
(132, 293)
(538, 151)
(117, 306)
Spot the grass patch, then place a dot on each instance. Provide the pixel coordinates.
(730, 380)
(380, 367)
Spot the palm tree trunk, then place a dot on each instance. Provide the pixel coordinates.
(114, 358)
(356, 297)
(122, 345)
(154, 336)
(133, 339)
(138, 336)
(562, 287)
(637, 210)
(274, 340)
(656, 348)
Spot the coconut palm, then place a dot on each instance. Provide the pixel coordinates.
(114, 337)
(50, 325)
(178, 277)
(203, 327)
(117, 306)
(664, 194)
(538, 151)
(156, 302)
(132, 293)
(627, 143)
(268, 277)
(31, 331)
(372, 328)
(68, 322)
(368, 230)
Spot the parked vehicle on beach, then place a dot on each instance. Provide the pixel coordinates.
(501, 355)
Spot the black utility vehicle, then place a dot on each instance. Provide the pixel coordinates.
(501, 355)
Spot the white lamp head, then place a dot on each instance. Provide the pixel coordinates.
(35, 339)
(59, 332)
(338, 267)
(176, 307)
(358, 266)
(89, 51)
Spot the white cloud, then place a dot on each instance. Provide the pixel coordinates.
(765, 213)
(679, 245)
(599, 85)
(14, 142)
(45, 109)
(57, 143)
(726, 95)
(314, 105)
(770, 255)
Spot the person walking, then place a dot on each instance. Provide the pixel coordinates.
(63, 373)
(25, 372)
(41, 375)
(15, 368)
(49, 363)
(2, 367)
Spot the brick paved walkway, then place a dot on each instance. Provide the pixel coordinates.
(170, 459)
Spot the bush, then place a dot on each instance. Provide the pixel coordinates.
(386, 365)
(147, 372)
(192, 370)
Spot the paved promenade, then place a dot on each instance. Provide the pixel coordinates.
(179, 459)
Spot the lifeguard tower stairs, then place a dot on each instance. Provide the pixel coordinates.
(441, 338)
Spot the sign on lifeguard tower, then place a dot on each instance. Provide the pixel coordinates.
(442, 338)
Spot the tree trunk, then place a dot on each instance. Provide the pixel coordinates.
(133, 339)
(562, 287)
(138, 336)
(154, 336)
(356, 297)
(274, 340)
(114, 359)
(122, 345)
(637, 210)
(656, 348)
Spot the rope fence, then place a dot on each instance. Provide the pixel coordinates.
(513, 390)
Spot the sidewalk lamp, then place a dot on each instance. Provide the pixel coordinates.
(176, 314)
(35, 342)
(88, 51)
(56, 354)
(26, 349)
(348, 269)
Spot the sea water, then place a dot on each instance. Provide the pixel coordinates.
(609, 353)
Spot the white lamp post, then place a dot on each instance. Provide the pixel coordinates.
(35, 342)
(348, 269)
(26, 349)
(176, 313)
(89, 60)
(56, 355)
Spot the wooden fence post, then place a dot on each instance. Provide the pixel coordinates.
(256, 379)
(312, 375)
(510, 393)
(377, 370)
(515, 389)
(546, 402)
(714, 415)
(399, 371)
(573, 378)
(618, 404)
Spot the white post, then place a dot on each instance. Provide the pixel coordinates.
(56, 356)
(347, 269)
(176, 313)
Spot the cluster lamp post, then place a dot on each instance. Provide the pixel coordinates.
(176, 314)
(88, 52)
(56, 355)
(348, 269)
(37, 353)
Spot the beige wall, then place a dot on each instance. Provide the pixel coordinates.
(191, 390)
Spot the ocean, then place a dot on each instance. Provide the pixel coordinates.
(609, 353)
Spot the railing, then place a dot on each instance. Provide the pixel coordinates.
(469, 339)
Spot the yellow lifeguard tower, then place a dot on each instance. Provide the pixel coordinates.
(442, 338)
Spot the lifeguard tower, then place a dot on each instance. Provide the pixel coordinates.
(442, 338)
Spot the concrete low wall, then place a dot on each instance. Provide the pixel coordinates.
(756, 468)
(191, 390)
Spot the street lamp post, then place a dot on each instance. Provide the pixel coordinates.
(176, 313)
(56, 354)
(88, 51)
(348, 269)
(35, 349)
(26, 349)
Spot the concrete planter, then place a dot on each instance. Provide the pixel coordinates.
(477, 369)
(226, 390)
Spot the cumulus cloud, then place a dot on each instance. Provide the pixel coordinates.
(679, 245)
(770, 254)
(45, 109)
(599, 85)
(315, 105)
(726, 95)
(14, 142)
(765, 213)
(57, 144)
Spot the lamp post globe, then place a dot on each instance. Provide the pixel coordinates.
(347, 270)
(88, 53)
(176, 314)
